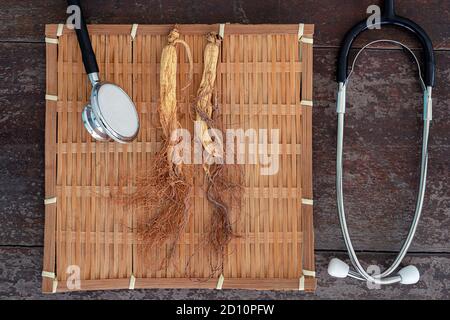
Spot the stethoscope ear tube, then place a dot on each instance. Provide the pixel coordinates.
(389, 18)
(89, 59)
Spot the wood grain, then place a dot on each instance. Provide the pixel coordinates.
(381, 154)
(25, 20)
(21, 278)
(50, 168)
(382, 174)
(22, 135)
(22, 110)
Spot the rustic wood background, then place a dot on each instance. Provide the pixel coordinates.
(382, 140)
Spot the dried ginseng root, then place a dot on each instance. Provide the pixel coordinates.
(218, 186)
(164, 191)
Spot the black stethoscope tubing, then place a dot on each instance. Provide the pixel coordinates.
(389, 18)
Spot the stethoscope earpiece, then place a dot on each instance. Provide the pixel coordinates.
(409, 275)
(339, 269)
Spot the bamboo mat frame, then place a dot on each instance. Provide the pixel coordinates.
(275, 252)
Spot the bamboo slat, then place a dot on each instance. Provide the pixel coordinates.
(50, 168)
(264, 81)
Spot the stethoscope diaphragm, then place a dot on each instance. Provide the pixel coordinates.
(111, 114)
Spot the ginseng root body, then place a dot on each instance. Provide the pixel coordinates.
(164, 191)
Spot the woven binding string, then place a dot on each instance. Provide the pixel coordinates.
(134, 29)
(55, 285)
(51, 275)
(60, 30)
(220, 282)
(301, 30)
(309, 273)
(47, 274)
(222, 30)
(308, 103)
(51, 40)
(132, 282)
(50, 201)
(306, 273)
(59, 33)
(51, 97)
(307, 40)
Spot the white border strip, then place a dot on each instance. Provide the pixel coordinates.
(220, 282)
(309, 273)
(51, 97)
(301, 30)
(51, 40)
(134, 30)
(301, 283)
(46, 274)
(60, 30)
(222, 30)
(132, 282)
(307, 103)
(307, 40)
(50, 201)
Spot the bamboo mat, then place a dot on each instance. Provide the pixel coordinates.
(264, 82)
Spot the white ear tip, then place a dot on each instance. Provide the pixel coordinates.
(409, 275)
(338, 268)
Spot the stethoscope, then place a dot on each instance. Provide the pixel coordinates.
(111, 114)
(336, 267)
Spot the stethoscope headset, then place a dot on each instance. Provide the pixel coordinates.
(338, 268)
(111, 114)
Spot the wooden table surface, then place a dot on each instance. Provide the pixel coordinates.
(382, 151)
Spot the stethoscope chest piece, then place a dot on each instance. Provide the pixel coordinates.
(111, 114)
(92, 125)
